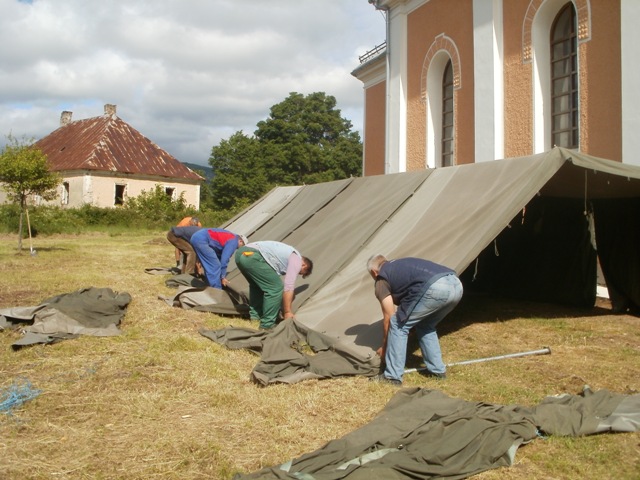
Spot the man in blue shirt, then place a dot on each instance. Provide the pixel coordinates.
(214, 247)
(424, 293)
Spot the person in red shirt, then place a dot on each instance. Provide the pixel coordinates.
(214, 247)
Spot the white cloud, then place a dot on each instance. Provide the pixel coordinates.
(185, 73)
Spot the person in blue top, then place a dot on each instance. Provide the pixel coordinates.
(262, 264)
(424, 293)
(214, 247)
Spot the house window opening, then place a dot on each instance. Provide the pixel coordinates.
(564, 80)
(447, 116)
(170, 191)
(119, 196)
(64, 198)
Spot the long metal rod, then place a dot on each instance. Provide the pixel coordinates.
(31, 250)
(543, 351)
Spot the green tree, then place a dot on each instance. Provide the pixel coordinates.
(239, 172)
(304, 141)
(24, 171)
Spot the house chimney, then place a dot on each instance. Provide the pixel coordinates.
(65, 118)
(109, 109)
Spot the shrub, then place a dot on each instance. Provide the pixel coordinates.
(148, 214)
(158, 208)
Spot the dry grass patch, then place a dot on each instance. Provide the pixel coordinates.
(161, 400)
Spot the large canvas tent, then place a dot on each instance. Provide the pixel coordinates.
(511, 226)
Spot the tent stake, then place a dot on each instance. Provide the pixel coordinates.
(543, 351)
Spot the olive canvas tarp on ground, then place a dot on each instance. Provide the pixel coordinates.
(426, 434)
(88, 311)
(512, 226)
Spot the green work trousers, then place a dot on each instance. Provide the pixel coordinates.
(265, 286)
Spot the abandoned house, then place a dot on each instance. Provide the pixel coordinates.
(104, 160)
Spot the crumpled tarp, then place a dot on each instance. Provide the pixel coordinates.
(225, 301)
(424, 434)
(193, 293)
(185, 280)
(292, 352)
(162, 270)
(88, 311)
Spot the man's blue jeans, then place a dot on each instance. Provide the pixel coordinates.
(435, 304)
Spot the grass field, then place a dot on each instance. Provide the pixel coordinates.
(162, 401)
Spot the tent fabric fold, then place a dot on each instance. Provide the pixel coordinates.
(209, 299)
(426, 434)
(291, 353)
(88, 311)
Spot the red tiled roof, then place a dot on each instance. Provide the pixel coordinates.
(107, 143)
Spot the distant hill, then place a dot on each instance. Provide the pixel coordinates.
(208, 171)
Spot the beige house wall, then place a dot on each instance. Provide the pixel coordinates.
(99, 189)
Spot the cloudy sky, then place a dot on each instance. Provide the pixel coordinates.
(185, 73)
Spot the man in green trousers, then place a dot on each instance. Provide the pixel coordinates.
(262, 264)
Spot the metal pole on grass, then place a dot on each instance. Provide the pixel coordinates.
(31, 249)
(543, 351)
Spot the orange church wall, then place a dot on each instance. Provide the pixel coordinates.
(374, 125)
(601, 83)
(457, 24)
(518, 82)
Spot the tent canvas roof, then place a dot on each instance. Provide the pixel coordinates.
(448, 215)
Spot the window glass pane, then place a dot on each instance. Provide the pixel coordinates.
(564, 79)
(448, 90)
(562, 67)
(563, 25)
(558, 51)
(448, 105)
(561, 122)
(561, 85)
(561, 139)
(561, 104)
(447, 132)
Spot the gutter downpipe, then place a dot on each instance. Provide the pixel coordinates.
(385, 9)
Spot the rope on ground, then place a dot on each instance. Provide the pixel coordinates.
(16, 394)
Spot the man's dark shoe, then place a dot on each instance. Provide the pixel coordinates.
(437, 376)
(382, 379)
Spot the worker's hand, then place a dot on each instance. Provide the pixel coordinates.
(225, 282)
(381, 352)
(289, 315)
